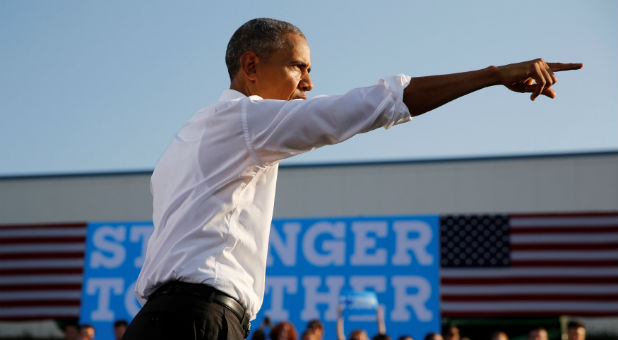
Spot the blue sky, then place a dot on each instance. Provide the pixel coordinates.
(103, 86)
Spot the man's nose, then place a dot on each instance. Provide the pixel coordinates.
(306, 84)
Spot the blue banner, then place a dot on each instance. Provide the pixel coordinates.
(315, 263)
(314, 266)
(114, 256)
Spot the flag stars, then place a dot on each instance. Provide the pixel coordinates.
(474, 240)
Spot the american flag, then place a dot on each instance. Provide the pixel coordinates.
(41, 271)
(529, 264)
(492, 265)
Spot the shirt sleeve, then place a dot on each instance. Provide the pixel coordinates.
(275, 129)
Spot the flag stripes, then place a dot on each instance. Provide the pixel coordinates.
(41, 270)
(559, 264)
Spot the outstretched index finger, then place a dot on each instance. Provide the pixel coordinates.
(556, 67)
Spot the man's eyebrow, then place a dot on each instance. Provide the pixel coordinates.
(302, 64)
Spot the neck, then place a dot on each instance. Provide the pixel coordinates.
(241, 86)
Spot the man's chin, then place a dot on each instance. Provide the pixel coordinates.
(298, 95)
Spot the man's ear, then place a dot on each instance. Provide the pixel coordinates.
(248, 63)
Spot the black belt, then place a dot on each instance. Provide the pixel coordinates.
(210, 294)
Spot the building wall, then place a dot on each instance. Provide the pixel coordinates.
(544, 184)
(585, 182)
(75, 198)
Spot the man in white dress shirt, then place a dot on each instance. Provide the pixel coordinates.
(213, 189)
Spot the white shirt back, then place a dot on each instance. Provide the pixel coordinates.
(214, 187)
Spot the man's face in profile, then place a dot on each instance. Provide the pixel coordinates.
(285, 74)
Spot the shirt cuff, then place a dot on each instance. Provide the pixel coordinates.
(396, 84)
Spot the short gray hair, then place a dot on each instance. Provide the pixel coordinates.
(262, 36)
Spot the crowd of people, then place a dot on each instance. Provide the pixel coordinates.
(314, 330)
(75, 331)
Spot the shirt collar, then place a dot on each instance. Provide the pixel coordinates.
(230, 94)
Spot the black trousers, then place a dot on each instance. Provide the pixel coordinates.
(182, 315)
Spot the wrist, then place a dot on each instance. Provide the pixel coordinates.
(494, 75)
